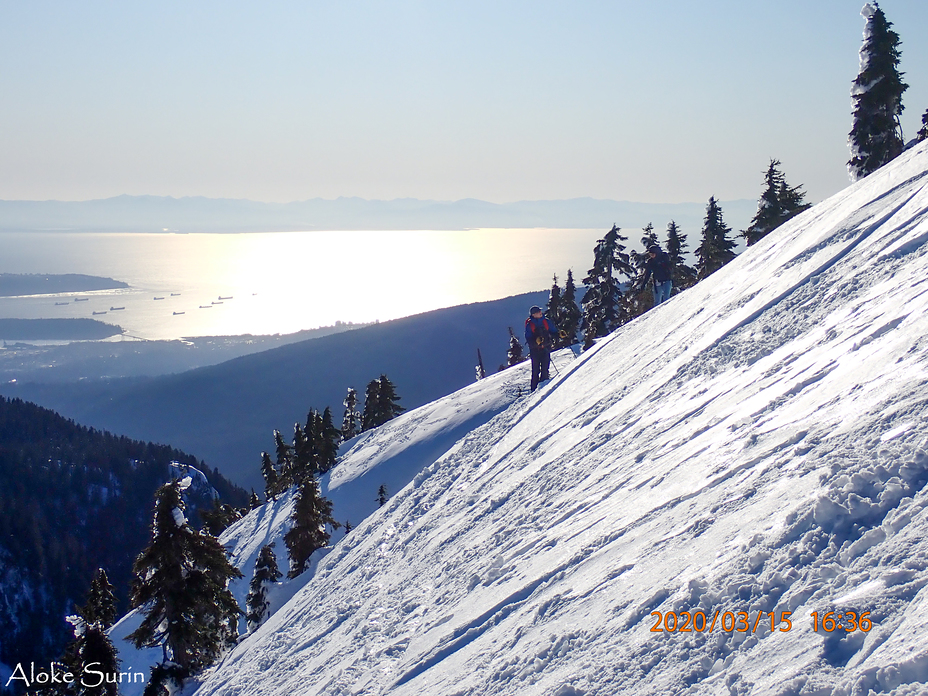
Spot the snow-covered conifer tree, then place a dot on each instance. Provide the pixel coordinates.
(100, 606)
(90, 654)
(923, 133)
(371, 400)
(311, 514)
(266, 574)
(778, 203)
(305, 455)
(351, 420)
(515, 355)
(569, 313)
(553, 311)
(716, 248)
(218, 518)
(271, 479)
(284, 461)
(387, 399)
(683, 276)
(327, 437)
(876, 134)
(603, 305)
(180, 584)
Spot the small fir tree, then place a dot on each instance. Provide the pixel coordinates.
(876, 133)
(219, 517)
(257, 607)
(382, 496)
(553, 311)
(778, 203)
(100, 606)
(649, 237)
(311, 514)
(254, 502)
(570, 314)
(515, 355)
(683, 276)
(923, 133)
(351, 420)
(716, 248)
(180, 584)
(90, 654)
(481, 373)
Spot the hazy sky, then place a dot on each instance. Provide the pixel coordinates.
(653, 101)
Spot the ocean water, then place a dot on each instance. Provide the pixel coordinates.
(277, 283)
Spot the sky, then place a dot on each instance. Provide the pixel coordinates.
(661, 102)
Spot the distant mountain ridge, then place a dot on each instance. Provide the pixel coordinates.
(199, 214)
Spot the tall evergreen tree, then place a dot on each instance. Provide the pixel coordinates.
(181, 586)
(284, 461)
(387, 401)
(305, 455)
(716, 248)
(266, 574)
(553, 311)
(604, 303)
(683, 276)
(876, 133)
(327, 437)
(778, 203)
(569, 312)
(351, 421)
(271, 479)
(311, 514)
(369, 417)
(640, 298)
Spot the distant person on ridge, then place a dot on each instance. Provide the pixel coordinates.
(539, 334)
(659, 266)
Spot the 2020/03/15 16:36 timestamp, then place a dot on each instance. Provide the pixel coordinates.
(741, 621)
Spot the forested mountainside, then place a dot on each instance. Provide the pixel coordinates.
(72, 499)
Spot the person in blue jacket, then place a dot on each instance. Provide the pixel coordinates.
(659, 266)
(539, 335)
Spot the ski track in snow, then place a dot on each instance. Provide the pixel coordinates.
(755, 445)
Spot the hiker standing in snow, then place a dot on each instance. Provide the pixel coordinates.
(659, 266)
(539, 334)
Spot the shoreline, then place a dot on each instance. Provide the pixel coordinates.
(37, 284)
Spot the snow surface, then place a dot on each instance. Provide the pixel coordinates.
(756, 444)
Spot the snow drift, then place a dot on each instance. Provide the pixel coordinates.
(754, 445)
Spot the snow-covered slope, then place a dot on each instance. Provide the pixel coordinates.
(389, 456)
(754, 445)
